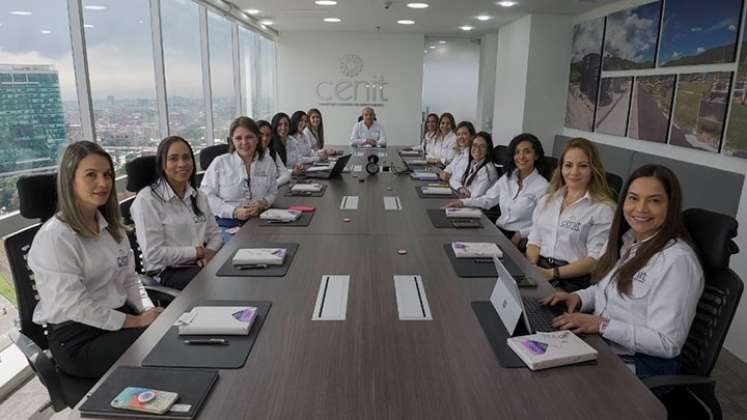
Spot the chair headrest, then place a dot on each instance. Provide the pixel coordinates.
(712, 233)
(141, 172)
(211, 152)
(37, 195)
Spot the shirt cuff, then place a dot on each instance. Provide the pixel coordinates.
(189, 254)
(617, 332)
(586, 301)
(115, 322)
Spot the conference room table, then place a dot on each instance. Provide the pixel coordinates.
(372, 365)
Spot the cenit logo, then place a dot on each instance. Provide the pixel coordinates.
(351, 65)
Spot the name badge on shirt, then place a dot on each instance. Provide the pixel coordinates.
(123, 258)
(571, 225)
(640, 277)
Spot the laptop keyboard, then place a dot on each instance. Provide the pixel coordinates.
(539, 315)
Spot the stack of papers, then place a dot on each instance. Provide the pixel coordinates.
(476, 250)
(436, 190)
(217, 320)
(409, 152)
(463, 213)
(280, 215)
(313, 187)
(425, 176)
(319, 168)
(252, 257)
(417, 162)
(546, 350)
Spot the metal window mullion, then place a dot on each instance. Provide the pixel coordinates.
(80, 67)
(274, 75)
(206, 88)
(159, 67)
(237, 69)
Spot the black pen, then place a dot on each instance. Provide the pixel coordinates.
(207, 341)
(250, 266)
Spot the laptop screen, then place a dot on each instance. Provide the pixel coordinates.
(506, 299)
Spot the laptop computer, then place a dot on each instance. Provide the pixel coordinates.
(329, 173)
(512, 307)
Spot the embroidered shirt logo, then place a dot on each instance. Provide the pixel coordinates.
(123, 259)
(568, 224)
(640, 277)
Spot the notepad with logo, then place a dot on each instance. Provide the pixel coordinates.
(259, 256)
(281, 215)
(463, 213)
(546, 350)
(313, 187)
(476, 250)
(217, 320)
(425, 176)
(436, 190)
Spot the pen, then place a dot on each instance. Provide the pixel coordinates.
(249, 266)
(206, 341)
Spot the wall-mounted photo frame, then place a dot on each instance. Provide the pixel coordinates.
(700, 110)
(735, 142)
(651, 108)
(631, 37)
(613, 105)
(586, 63)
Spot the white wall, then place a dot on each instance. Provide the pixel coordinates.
(511, 80)
(308, 59)
(450, 77)
(486, 83)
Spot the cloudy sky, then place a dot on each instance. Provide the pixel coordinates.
(693, 26)
(587, 38)
(631, 34)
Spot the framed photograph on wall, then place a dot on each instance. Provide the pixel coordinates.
(735, 143)
(651, 108)
(613, 105)
(700, 110)
(586, 63)
(699, 32)
(631, 36)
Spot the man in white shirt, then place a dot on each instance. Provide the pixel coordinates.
(368, 132)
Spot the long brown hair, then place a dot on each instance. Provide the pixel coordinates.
(67, 203)
(317, 132)
(672, 229)
(250, 125)
(598, 188)
(449, 117)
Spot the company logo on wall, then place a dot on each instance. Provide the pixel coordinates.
(352, 90)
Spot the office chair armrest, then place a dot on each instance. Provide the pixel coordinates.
(43, 367)
(653, 382)
(162, 291)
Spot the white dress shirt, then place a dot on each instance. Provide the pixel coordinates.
(516, 204)
(656, 318)
(442, 149)
(361, 133)
(426, 142)
(167, 228)
(580, 231)
(83, 279)
(454, 164)
(284, 174)
(299, 151)
(313, 141)
(481, 181)
(225, 183)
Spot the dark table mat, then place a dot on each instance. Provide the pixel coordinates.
(228, 270)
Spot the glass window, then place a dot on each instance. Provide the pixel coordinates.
(120, 65)
(38, 102)
(248, 42)
(221, 75)
(182, 62)
(264, 99)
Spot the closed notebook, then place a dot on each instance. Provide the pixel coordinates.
(476, 250)
(280, 215)
(417, 162)
(463, 213)
(217, 320)
(546, 350)
(319, 168)
(409, 152)
(425, 176)
(436, 190)
(257, 256)
(312, 187)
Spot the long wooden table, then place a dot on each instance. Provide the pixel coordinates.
(373, 365)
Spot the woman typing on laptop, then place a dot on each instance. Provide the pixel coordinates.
(647, 283)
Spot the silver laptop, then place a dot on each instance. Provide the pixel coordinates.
(512, 307)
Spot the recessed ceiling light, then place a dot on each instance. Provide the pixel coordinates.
(94, 7)
(20, 13)
(332, 20)
(466, 28)
(267, 22)
(46, 32)
(252, 11)
(506, 3)
(483, 17)
(406, 22)
(325, 2)
(88, 26)
(442, 42)
(417, 5)
(432, 47)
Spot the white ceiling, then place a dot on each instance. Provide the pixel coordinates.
(443, 17)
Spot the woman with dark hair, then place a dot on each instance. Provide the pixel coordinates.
(265, 137)
(298, 145)
(90, 297)
(465, 132)
(430, 131)
(173, 223)
(476, 173)
(571, 222)
(647, 283)
(516, 193)
(315, 128)
(441, 150)
(243, 182)
(280, 128)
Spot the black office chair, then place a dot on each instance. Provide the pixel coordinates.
(209, 153)
(692, 392)
(500, 158)
(546, 166)
(615, 183)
